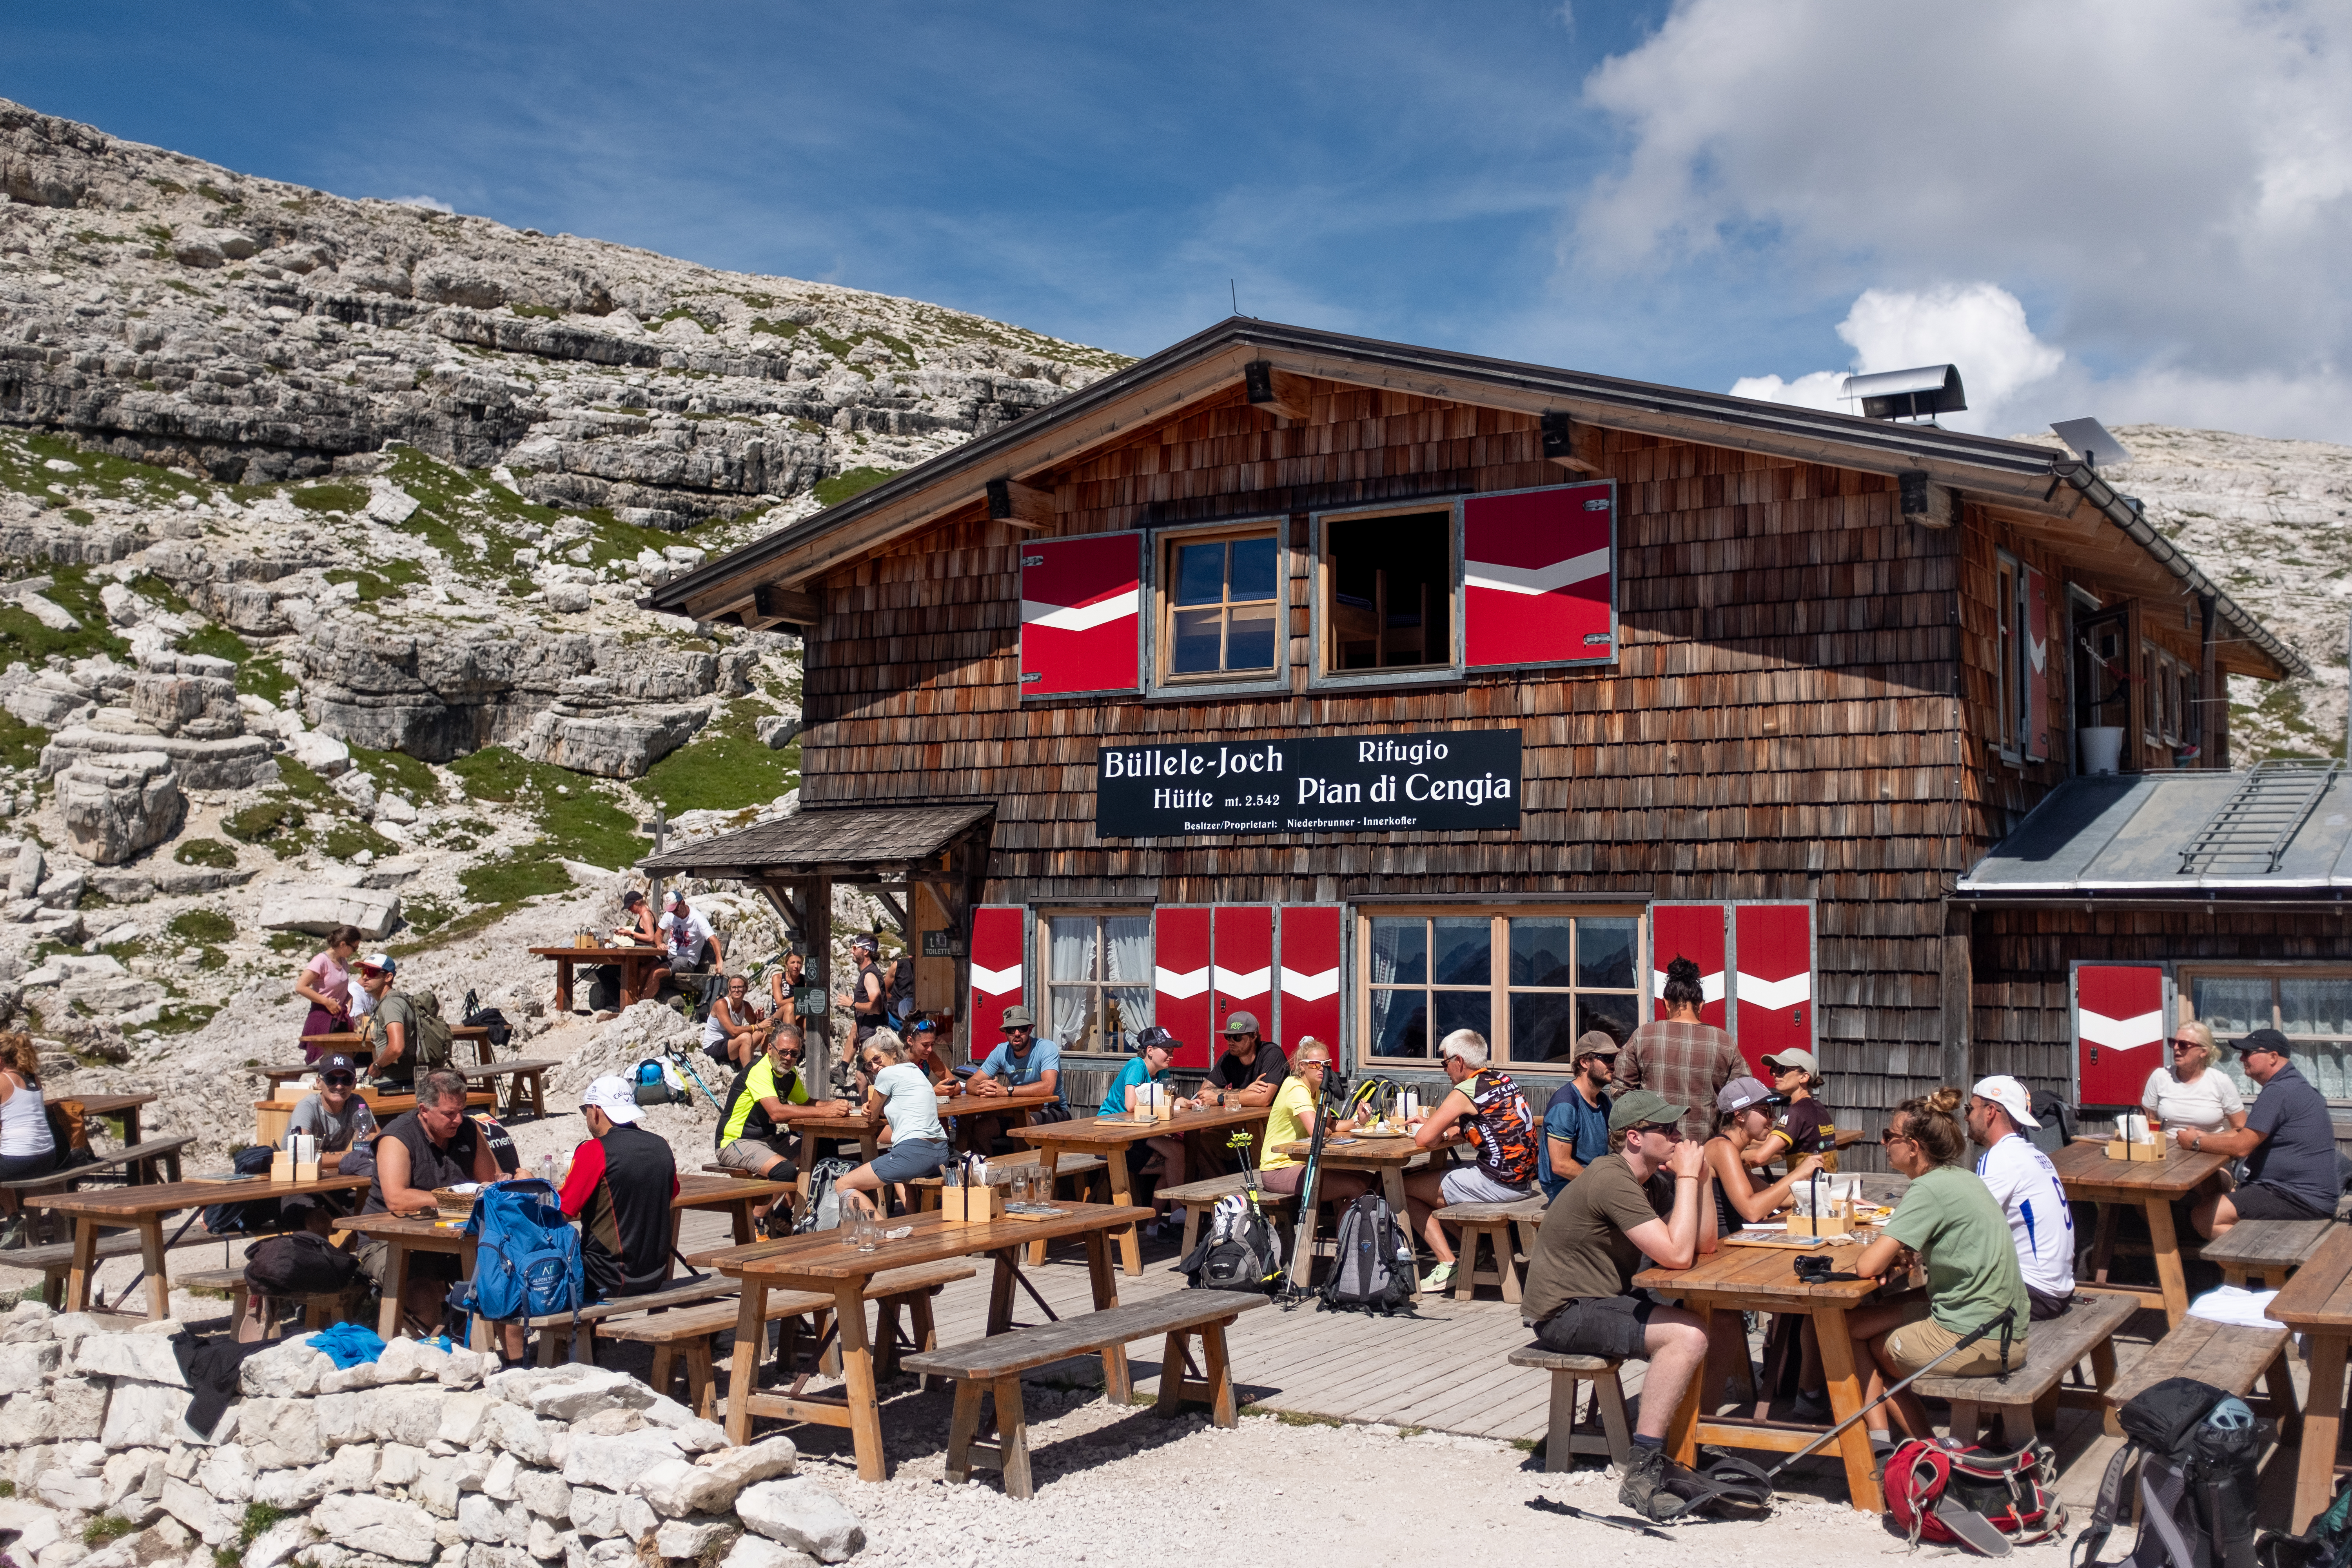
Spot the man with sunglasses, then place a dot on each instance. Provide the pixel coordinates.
(2288, 1144)
(335, 1115)
(1023, 1059)
(1644, 1203)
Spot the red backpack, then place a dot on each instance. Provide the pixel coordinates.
(1957, 1494)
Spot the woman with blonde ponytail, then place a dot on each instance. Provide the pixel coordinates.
(1957, 1229)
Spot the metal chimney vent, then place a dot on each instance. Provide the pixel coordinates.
(1920, 393)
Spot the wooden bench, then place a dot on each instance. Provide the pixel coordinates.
(131, 1160)
(1199, 1197)
(1562, 1443)
(2052, 1350)
(2227, 1355)
(691, 1332)
(555, 1329)
(994, 1365)
(1080, 1169)
(2267, 1250)
(1493, 1223)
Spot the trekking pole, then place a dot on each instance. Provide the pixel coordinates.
(2004, 1323)
(682, 1059)
(1293, 1288)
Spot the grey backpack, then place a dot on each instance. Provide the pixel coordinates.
(1239, 1252)
(1371, 1267)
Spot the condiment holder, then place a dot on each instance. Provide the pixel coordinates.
(971, 1205)
(2133, 1140)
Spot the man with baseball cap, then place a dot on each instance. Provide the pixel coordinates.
(1250, 1072)
(391, 1027)
(334, 1113)
(1022, 1060)
(2025, 1184)
(623, 1179)
(2288, 1144)
(1576, 1118)
(1643, 1204)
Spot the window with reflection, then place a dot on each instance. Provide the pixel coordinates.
(2313, 1008)
(1097, 979)
(1223, 606)
(1529, 983)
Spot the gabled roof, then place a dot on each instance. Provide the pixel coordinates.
(2024, 479)
(845, 842)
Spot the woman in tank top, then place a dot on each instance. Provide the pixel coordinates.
(27, 1148)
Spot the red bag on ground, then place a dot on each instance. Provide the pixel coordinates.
(1957, 1494)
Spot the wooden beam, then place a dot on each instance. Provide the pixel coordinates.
(1277, 391)
(778, 603)
(1561, 438)
(1020, 506)
(1926, 502)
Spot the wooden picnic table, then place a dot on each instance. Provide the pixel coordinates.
(819, 1262)
(811, 1122)
(405, 1233)
(1387, 1154)
(270, 1116)
(1764, 1279)
(125, 1105)
(1109, 1136)
(142, 1208)
(635, 962)
(2151, 1185)
(528, 1073)
(2317, 1301)
(741, 1199)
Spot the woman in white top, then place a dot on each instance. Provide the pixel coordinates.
(902, 1092)
(2194, 1094)
(735, 1032)
(27, 1148)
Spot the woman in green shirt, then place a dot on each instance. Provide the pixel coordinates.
(1956, 1227)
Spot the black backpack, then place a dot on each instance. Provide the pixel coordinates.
(1239, 1252)
(898, 996)
(2196, 1446)
(2326, 1545)
(2057, 1119)
(299, 1263)
(480, 1017)
(1371, 1267)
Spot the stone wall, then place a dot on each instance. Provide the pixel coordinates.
(422, 1456)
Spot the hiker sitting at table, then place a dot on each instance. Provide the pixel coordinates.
(1250, 1072)
(1794, 1076)
(27, 1146)
(927, 1048)
(434, 1145)
(622, 1181)
(1291, 1119)
(785, 982)
(2193, 1093)
(754, 1135)
(1023, 1060)
(335, 1114)
(901, 1095)
(391, 1027)
(2025, 1184)
(1642, 1204)
(1956, 1227)
(2288, 1144)
(1576, 1117)
(868, 998)
(1158, 1162)
(735, 1029)
(1747, 1109)
(690, 944)
(325, 982)
(1487, 1104)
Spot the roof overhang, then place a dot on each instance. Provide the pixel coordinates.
(843, 844)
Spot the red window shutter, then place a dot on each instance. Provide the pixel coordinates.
(2037, 666)
(996, 969)
(1694, 931)
(2119, 1031)
(1081, 626)
(1772, 985)
(1179, 983)
(1540, 576)
(1243, 980)
(1310, 975)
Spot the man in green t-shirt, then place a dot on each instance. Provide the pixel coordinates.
(391, 1027)
(1644, 1203)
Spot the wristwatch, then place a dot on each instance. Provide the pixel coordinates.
(2198, 1141)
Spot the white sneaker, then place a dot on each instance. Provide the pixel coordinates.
(1439, 1278)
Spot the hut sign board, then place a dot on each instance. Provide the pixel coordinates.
(1456, 781)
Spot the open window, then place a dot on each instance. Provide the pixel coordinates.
(1222, 602)
(1386, 583)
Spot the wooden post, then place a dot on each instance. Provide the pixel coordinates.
(1958, 997)
(816, 922)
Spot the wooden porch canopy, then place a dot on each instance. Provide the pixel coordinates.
(925, 862)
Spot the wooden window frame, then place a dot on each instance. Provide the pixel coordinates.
(2189, 974)
(2009, 695)
(1499, 988)
(1046, 984)
(1320, 676)
(1160, 596)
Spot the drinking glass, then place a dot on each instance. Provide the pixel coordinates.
(1019, 1195)
(869, 1236)
(848, 1229)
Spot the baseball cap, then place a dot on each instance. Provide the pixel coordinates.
(335, 1062)
(1639, 1106)
(2010, 1095)
(1596, 1043)
(381, 963)
(632, 899)
(1156, 1037)
(1242, 1023)
(1017, 1019)
(2263, 1040)
(611, 1095)
(1742, 1092)
(1795, 1060)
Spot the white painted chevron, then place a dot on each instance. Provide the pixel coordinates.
(996, 982)
(1246, 982)
(1311, 988)
(1796, 988)
(1710, 986)
(1079, 618)
(1537, 579)
(2122, 1034)
(1179, 984)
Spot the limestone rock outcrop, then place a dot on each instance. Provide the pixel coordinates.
(318, 910)
(184, 707)
(118, 807)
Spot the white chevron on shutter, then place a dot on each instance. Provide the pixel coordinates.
(2122, 1034)
(1537, 579)
(996, 982)
(1252, 983)
(1710, 986)
(1311, 988)
(1179, 984)
(1786, 992)
(1080, 617)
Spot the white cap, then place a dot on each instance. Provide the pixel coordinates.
(2010, 1095)
(611, 1095)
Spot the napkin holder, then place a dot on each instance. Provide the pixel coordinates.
(306, 1171)
(1839, 1221)
(2120, 1149)
(970, 1204)
(281, 1166)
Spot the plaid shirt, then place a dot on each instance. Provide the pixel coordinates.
(1685, 1062)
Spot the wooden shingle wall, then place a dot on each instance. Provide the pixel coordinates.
(1782, 722)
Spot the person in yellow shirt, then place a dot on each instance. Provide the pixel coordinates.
(1291, 1119)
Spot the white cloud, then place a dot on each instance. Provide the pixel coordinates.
(430, 203)
(2170, 181)
(1980, 327)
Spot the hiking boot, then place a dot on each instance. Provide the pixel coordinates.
(1439, 1278)
(1647, 1488)
(1811, 1406)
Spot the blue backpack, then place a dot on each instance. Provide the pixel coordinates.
(527, 1264)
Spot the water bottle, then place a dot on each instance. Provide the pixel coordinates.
(547, 1169)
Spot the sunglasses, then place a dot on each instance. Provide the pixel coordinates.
(339, 1081)
(1666, 1131)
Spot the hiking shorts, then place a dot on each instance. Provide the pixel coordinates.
(1284, 1179)
(904, 1162)
(1472, 1184)
(1922, 1339)
(753, 1154)
(1616, 1327)
(2268, 1200)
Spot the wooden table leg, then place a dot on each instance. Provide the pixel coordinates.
(85, 1263)
(1122, 1195)
(999, 1289)
(2103, 1244)
(1682, 1430)
(395, 1288)
(1393, 1189)
(741, 1213)
(857, 1377)
(2323, 1421)
(744, 1371)
(563, 985)
(1118, 1384)
(1845, 1398)
(2162, 1242)
(538, 1095)
(151, 1259)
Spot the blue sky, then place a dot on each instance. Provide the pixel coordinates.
(1704, 192)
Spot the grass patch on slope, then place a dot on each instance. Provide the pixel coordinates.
(22, 635)
(20, 743)
(847, 483)
(725, 767)
(576, 822)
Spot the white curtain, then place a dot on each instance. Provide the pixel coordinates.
(1127, 954)
(1071, 956)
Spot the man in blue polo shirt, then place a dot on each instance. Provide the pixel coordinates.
(1576, 1119)
(2288, 1144)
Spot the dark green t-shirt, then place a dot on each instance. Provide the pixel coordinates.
(1584, 1248)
